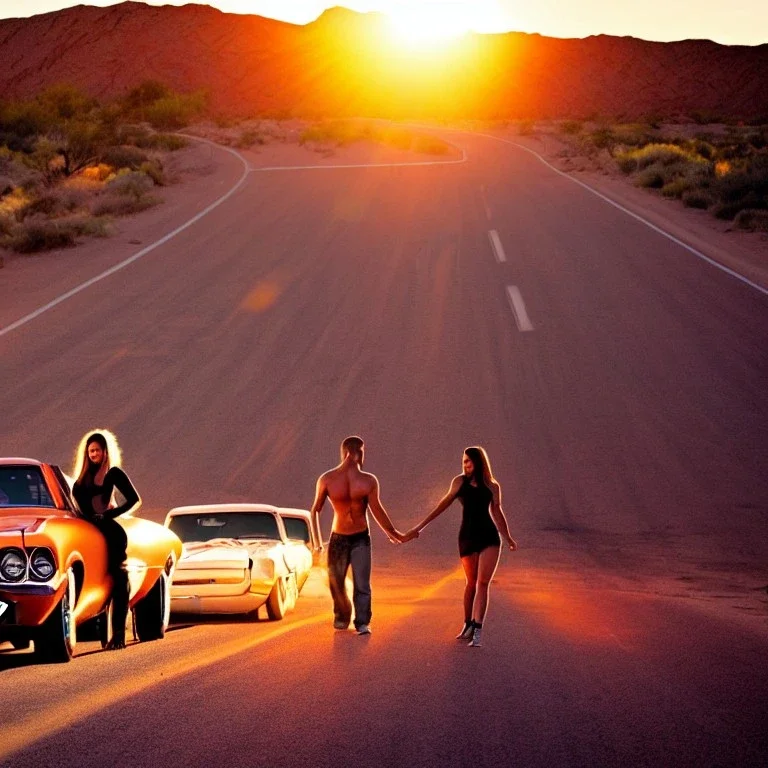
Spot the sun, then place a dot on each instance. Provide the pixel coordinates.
(430, 24)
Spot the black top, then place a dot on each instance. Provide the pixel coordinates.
(86, 491)
(476, 517)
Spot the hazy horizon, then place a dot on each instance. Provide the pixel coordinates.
(656, 20)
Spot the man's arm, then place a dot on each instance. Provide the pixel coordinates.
(321, 494)
(380, 514)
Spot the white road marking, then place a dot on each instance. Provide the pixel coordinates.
(462, 159)
(634, 215)
(518, 308)
(485, 203)
(136, 256)
(498, 248)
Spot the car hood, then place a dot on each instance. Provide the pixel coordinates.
(15, 522)
(223, 553)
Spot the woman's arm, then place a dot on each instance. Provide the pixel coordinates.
(442, 505)
(120, 480)
(497, 514)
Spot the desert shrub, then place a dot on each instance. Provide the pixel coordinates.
(167, 142)
(154, 170)
(602, 138)
(14, 202)
(248, 138)
(6, 185)
(97, 173)
(697, 198)
(676, 188)
(40, 234)
(124, 157)
(174, 111)
(626, 161)
(651, 177)
(114, 204)
(133, 184)
(570, 127)
(144, 95)
(663, 154)
(131, 133)
(752, 219)
(91, 226)
(742, 181)
(6, 225)
(525, 128)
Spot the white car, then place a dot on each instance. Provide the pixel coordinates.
(239, 557)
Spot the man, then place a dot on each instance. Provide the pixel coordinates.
(352, 492)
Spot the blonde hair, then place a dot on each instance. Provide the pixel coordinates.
(112, 455)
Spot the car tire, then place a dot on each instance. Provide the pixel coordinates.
(276, 602)
(152, 612)
(57, 637)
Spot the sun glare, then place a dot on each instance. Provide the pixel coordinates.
(425, 26)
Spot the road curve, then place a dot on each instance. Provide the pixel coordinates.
(625, 420)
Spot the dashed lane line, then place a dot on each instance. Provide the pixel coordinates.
(517, 305)
(496, 245)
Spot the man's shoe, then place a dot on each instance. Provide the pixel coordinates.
(476, 635)
(338, 624)
(466, 632)
(363, 629)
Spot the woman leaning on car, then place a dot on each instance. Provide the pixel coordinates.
(97, 474)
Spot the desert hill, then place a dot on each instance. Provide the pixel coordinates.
(344, 64)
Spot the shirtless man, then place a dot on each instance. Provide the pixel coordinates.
(352, 492)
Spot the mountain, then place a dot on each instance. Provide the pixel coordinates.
(345, 63)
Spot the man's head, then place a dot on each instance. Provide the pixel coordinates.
(354, 448)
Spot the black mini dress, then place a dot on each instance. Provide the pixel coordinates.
(477, 531)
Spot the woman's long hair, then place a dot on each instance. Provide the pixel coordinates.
(482, 472)
(108, 442)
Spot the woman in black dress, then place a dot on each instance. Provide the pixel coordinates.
(98, 474)
(479, 541)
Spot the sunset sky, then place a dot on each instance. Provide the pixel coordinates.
(744, 22)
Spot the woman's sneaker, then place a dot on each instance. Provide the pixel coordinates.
(466, 632)
(476, 634)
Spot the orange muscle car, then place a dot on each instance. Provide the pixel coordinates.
(53, 565)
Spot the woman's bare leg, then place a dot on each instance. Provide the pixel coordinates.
(469, 563)
(488, 559)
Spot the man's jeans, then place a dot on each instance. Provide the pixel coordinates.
(345, 551)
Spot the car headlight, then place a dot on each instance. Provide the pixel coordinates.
(13, 564)
(263, 568)
(42, 564)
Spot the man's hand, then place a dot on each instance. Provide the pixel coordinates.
(410, 535)
(395, 536)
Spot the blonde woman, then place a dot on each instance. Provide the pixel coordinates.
(483, 524)
(97, 475)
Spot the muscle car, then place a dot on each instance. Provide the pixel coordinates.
(53, 565)
(236, 559)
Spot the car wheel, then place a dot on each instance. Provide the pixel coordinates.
(57, 637)
(152, 612)
(293, 591)
(276, 602)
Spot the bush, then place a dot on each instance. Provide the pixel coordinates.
(38, 234)
(112, 204)
(525, 128)
(602, 138)
(429, 145)
(124, 157)
(154, 170)
(751, 219)
(167, 142)
(133, 184)
(248, 138)
(651, 177)
(676, 188)
(697, 198)
(570, 127)
(174, 111)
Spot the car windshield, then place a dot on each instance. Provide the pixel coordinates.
(23, 487)
(225, 525)
(297, 528)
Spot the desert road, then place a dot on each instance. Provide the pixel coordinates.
(617, 381)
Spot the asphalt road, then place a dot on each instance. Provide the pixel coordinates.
(617, 382)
